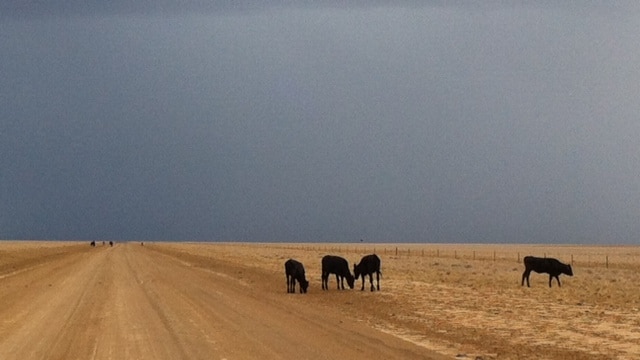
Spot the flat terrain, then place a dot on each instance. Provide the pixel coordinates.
(66, 300)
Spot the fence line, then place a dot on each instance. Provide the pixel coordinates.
(605, 260)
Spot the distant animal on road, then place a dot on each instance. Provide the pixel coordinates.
(368, 265)
(551, 266)
(110, 243)
(93, 243)
(294, 270)
(336, 265)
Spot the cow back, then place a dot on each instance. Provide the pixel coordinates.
(293, 268)
(335, 264)
(546, 265)
(368, 264)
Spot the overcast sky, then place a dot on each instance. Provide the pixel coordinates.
(400, 121)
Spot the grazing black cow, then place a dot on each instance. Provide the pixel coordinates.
(93, 243)
(295, 271)
(339, 266)
(110, 243)
(368, 265)
(550, 266)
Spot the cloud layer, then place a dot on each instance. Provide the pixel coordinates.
(327, 123)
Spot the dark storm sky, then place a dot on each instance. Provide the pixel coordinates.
(385, 121)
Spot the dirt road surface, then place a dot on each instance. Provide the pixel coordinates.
(73, 301)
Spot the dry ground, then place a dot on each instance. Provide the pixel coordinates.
(228, 301)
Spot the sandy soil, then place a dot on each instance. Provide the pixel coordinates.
(228, 301)
(72, 301)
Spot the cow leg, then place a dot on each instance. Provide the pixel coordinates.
(371, 281)
(525, 275)
(558, 279)
(378, 279)
(550, 278)
(324, 282)
(363, 277)
(288, 284)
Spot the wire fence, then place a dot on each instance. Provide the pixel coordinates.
(590, 256)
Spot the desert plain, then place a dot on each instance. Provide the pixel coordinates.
(68, 300)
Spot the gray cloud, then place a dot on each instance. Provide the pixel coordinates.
(43, 9)
(388, 123)
(40, 9)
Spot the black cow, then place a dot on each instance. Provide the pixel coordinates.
(93, 243)
(339, 266)
(550, 266)
(368, 265)
(294, 270)
(110, 243)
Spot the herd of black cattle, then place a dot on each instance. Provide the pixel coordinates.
(93, 243)
(370, 264)
(331, 264)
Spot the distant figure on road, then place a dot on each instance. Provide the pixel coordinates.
(93, 243)
(110, 243)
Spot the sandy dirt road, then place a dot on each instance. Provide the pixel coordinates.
(130, 301)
